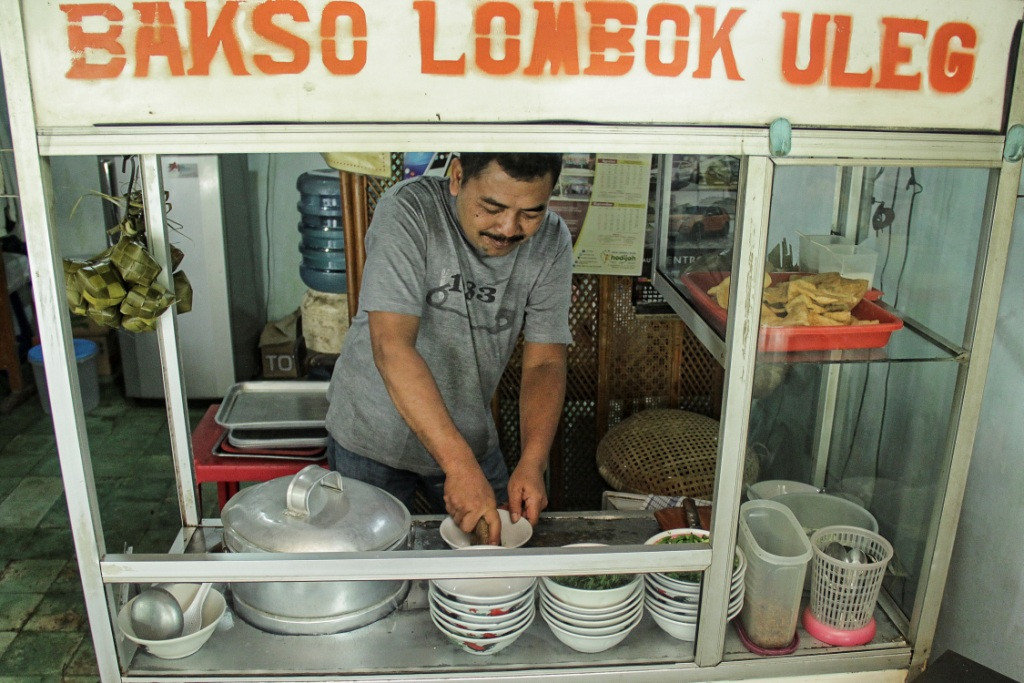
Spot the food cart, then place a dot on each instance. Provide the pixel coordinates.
(803, 99)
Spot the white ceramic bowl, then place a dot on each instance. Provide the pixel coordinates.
(183, 646)
(494, 609)
(606, 611)
(589, 629)
(573, 615)
(658, 539)
(478, 620)
(817, 510)
(512, 535)
(661, 539)
(579, 597)
(486, 591)
(770, 488)
(675, 588)
(591, 644)
(595, 617)
(676, 629)
(463, 628)
(481, 646)
(671, 606)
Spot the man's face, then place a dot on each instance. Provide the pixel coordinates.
(497, 212)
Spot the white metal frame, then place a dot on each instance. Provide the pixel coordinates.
(101, 573)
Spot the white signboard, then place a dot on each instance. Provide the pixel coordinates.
(863, 63)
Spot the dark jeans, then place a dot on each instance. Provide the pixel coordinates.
(402, 484)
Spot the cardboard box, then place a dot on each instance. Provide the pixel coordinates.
(285, 360)
(282, 349)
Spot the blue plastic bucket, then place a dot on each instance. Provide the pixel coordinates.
(86, 353)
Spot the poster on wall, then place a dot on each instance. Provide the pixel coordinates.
(603, 199)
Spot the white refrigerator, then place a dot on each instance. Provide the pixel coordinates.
(209, 216)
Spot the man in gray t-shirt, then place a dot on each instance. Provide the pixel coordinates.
(456, 268)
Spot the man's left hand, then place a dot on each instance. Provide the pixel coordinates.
(527, 495)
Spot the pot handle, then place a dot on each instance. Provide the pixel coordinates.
(301, 487)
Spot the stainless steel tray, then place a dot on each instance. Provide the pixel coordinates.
(219, 451)
(314, 437)
(274, 405)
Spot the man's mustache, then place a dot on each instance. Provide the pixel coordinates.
(503, 239)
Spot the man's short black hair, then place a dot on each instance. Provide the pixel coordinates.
(519, 166)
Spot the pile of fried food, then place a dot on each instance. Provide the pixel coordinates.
(805, 300)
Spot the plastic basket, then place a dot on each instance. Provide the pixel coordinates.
(843, 594)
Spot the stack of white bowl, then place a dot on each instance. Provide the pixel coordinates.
(591, 620)
(673, 599)
(482, 616)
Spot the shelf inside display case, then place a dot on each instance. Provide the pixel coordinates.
(406, 643)
(910, 342)
(878, 324)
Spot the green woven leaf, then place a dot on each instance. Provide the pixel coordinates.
(110, 316)
(133, 261)
(135, 324)
(182, 292)
(101, 284)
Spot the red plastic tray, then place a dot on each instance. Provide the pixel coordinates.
(817, 338)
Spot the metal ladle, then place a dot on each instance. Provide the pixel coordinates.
(156, 615)
(856, 556)
(836, 551)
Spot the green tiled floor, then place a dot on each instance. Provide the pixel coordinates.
(44, 633)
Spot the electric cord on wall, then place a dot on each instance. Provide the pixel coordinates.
(915, 189)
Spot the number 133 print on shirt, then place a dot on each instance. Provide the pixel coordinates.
(474, 295)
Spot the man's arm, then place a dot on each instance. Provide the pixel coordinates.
(467, 493)
(541, 394)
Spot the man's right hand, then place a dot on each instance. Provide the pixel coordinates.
(468, 497)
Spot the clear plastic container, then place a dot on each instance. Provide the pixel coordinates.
(777, 551)
(811, 249)
(854, 261)
(86, 353)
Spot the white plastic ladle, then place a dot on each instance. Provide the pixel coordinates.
(193, 614)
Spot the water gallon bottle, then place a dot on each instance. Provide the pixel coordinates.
(323, 237)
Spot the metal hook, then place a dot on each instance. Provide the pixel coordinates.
(131, 178)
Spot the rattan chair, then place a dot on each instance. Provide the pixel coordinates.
(665, 452)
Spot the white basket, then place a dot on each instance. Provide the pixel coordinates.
(843, 594)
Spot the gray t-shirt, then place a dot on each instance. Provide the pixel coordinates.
(471, 308)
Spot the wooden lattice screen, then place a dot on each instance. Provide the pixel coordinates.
(619, 363)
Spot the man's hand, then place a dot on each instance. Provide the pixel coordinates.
(527, 495)
(468, 496)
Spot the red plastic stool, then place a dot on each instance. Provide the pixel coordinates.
(229, 472)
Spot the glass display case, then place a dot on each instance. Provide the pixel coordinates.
(880, 414)
(860, 372)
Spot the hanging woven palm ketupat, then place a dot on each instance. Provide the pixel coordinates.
(183, 292)
(147, 301)
(133, 261)
(109, 317)
(118, 287)
(76, 302)
(101, 284)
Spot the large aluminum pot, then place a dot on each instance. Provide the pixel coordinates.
(313, 511)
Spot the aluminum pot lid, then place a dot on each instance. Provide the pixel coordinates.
(315, 511)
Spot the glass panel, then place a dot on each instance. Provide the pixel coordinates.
(857, 222)
(866, 424)
(700, 212)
